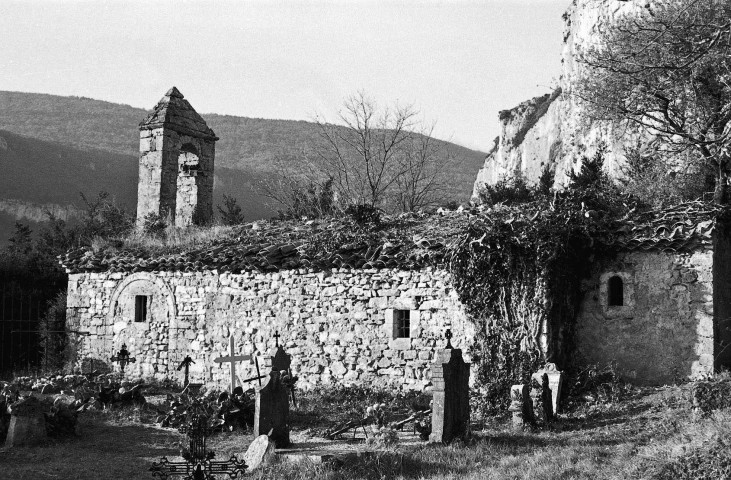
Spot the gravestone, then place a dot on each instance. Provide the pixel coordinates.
(540, 395)
(27, 423)
(260, 451)
(451, 402)
(271, 416)
(521, 405)
(555, 383)
(548, 383)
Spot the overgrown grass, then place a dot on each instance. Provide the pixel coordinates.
(653, 433)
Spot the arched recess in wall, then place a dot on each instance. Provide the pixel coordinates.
(125, 301)
(188, 160)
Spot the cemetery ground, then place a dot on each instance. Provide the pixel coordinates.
(637, 436)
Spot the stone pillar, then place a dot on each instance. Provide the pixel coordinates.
(271, 416)
(451, 403)
(521, 405)
(27, 424)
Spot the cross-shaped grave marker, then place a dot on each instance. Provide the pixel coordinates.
(232, 359)
(276, 338)
(185, 364)
(123, 358)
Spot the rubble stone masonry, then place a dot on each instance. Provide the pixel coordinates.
(339, 326)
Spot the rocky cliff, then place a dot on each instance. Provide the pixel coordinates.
(550, 130)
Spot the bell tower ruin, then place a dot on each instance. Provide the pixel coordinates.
(177, 150)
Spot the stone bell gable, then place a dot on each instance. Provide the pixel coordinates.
(177, 150)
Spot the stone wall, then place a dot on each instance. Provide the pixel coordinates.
(663, 332)
(338, 325)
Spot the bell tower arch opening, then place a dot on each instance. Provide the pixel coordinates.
(177, 152)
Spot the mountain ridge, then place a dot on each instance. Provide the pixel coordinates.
(54, 147)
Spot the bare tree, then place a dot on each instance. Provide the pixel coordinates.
(425, 165)
(379, 157)
(668, 71)
(365, 155)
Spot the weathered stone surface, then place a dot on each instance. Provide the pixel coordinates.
(551, 130)
(27, 424)
(259, 452)
(342, 338)
(661, 333)
(177, 151)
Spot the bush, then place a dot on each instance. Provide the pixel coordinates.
(598, 383)
(508, 192)
(712, 394)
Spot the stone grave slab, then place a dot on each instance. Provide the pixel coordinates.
(259, 452)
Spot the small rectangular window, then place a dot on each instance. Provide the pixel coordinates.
(140, 308)
(402, 323)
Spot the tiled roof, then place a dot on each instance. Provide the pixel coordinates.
(685, 227)
(174, 111)
(411, 242)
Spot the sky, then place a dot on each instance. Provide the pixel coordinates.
(457, 62)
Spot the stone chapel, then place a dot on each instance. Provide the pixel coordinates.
(372, 313)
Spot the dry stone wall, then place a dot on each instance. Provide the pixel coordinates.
(663, 332)
(339, 326)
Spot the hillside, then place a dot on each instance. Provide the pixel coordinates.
(54, 147)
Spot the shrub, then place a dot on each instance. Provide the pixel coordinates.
(712, 394)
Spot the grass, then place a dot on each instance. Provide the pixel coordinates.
(632, 439)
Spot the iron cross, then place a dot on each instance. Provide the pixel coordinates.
(448, 336)
(123, 358)
(186, 364)
(232, 359)
(276, 338)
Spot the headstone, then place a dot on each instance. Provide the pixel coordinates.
(271, 415)
(555, 379)
(27, 423)
(521, 405)
(555, 383)
(451, 402)
(540, 395)
(260, 451)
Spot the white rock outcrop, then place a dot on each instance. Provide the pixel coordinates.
(550, 130)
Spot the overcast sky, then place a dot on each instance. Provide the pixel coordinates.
(458, 62)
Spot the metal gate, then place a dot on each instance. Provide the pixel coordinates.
(23, 303)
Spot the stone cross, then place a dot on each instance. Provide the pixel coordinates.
(451, 402)
(123, 358)
(232, 359)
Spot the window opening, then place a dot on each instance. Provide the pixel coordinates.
(403, 323)
(615, 291)
(140, 308)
